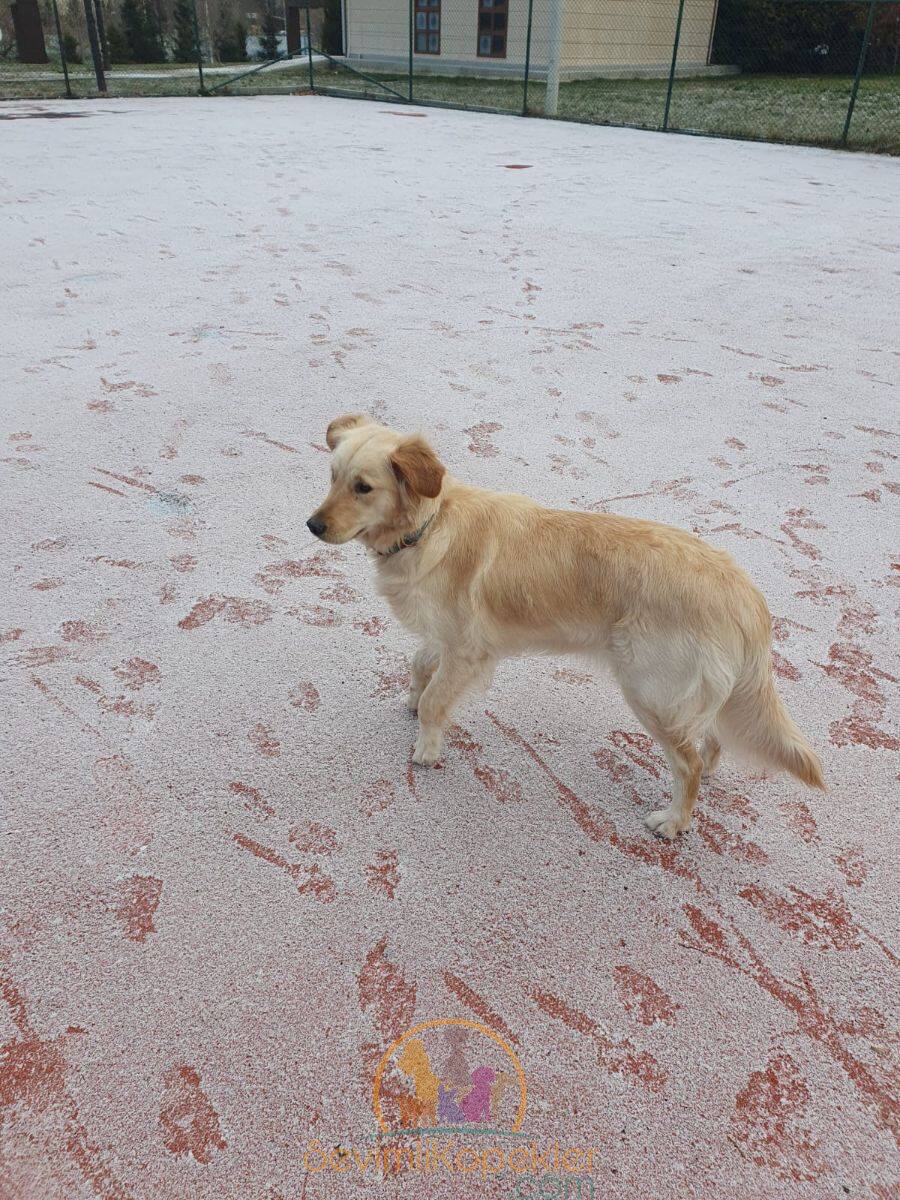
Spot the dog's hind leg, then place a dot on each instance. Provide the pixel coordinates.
(710, 752)
(677, 741)
(687, 766)
(675, 685)
(424, 664)
(453, 677)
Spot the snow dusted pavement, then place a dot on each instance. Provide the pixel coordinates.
(226, 894)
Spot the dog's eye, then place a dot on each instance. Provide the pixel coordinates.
(362, 488)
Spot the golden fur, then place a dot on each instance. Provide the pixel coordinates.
(683, 629)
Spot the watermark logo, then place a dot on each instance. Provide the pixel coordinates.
(457, 1076)
(449, 1097)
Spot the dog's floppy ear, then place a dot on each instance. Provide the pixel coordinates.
(341, 425)
(416, 464)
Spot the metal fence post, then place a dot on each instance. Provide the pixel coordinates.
(309, 59)
(551, 96)
(198, 45)
(95, 46)
(527, 59)
(101, 34)
(665, 123)
(412, 34)
(62, 54)
(863, 51)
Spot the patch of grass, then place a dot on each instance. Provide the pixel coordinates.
(284, 81)
(795, 109)
(805, 109)
(45, 81)
(29, 81)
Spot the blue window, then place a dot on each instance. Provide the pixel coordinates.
(492, 16)
(428, 26)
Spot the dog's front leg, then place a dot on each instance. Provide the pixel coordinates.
(451, 678)
(424, 664)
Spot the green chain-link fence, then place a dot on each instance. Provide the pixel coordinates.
(823, 72)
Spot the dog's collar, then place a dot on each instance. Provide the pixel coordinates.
(408, 539)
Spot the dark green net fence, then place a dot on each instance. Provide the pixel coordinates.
(821, 72)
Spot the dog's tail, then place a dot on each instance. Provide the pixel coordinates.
(754, 721)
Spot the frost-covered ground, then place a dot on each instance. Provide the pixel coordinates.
(225, 892)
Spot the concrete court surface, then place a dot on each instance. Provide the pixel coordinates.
(226, 892)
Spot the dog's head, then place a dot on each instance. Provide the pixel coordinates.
(381, 482)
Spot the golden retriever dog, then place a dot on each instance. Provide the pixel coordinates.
(480, 575)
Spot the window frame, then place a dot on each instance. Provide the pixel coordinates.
(492, 8)
(428, 8)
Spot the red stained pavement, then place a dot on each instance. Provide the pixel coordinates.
(225, 890)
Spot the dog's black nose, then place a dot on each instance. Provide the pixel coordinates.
(314, 525)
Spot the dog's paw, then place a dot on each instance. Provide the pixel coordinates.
(412, 701)
(666, 823)
(429, 745)
(710, 763)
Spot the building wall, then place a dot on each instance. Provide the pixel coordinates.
(617, 35)
(625, 33)
(377, 28)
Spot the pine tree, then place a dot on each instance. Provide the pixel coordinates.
(138, 30)
(133, 30)
(766, 36)
(70, 51)
(231, 38)
(118, 44)
(268, 34)
(154, 16)
(185, 49)
(240, 40)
